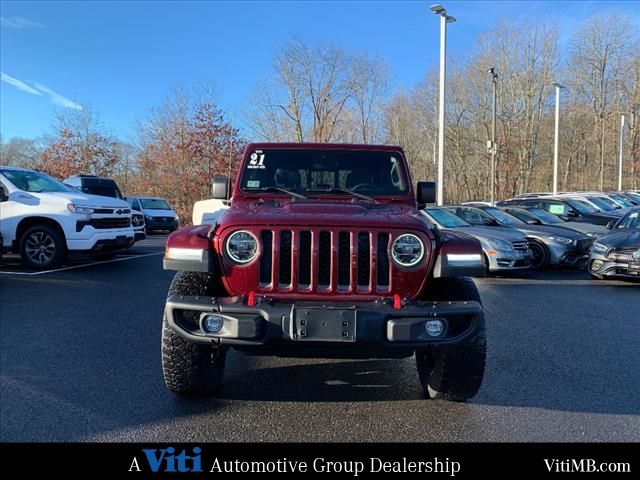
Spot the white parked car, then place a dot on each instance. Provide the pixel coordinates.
(43, 220)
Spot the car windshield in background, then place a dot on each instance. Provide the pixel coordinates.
(154, 204)
(503, 217)
(35, 182)
(582, 207)
(631, 221)
(601, 204)
(446, 218)
(102, 191)
(546, 216)
(315, 171)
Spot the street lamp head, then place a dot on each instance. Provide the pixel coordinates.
(438, 9)
(558, 85)
(450, 19)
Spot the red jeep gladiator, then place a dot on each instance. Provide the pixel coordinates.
(323, 253)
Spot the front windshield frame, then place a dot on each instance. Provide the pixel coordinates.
(325, 171)
(437, 215)
(21, 179)
(631, 221)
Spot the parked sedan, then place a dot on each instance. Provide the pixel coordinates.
(566, 208)
(549, 245)
(505, 249)
(537, 216)
(618, 253)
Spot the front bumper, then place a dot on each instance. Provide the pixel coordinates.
(504, 260)
(567, 255)
(327, 329)
(94, 240)
(607, 267)
(160, 223)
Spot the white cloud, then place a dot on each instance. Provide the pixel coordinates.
(38, 89)
(19, 22)
(56, 98)
(19, 84)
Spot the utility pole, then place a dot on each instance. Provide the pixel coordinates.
(602, 155)
(444, 19)
(493, 147)
(621, 149)
(556, 140)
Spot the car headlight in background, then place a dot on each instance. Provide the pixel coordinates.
(72, 207)
(598, 248)
(242, 247)
(407, 250)
(148, 218)
(562, 240)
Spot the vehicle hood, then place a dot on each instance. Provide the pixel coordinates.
(585, 227)
(548, 231)
(323, 213)
(83, 199)
(489, 233)
(152, 212)
(621, 239)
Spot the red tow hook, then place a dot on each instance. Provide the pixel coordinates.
(251, 300)
(397, 303)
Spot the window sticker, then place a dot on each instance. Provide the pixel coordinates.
(253, 183)
(556, 209)
(256, 160)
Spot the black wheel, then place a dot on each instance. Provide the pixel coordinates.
(190, 368)
(454, 373)
(540, 258)
(42, 247)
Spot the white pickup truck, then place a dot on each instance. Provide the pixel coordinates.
(43, 220)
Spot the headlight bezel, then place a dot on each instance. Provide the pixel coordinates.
(599, 248)
(561, 240)
(80, 209)
(230, 256)
(408, 265)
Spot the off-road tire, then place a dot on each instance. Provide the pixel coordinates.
(190, 368)
(454, 373)
(56, 246)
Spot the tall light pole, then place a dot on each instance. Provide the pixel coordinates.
(621, 149)
(556, 139)
(493, 147)
(444, 19)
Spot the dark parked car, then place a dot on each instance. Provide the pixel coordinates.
(537, 216)
(618, 253)
(549, 245)
(565, 208)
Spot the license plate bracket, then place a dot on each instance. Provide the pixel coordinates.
(324, 324)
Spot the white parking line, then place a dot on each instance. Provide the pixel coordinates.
(121, 259)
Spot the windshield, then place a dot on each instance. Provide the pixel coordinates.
(35, 182)
(103, 191)
(582, 207)
(522, 215)
(503, 217)
(545, 216)
(154, 204)
(324, 171)
(631, 221)
(620, 200)
(601, 204)
(446, 219)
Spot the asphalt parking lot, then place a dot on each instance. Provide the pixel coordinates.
(80, 361)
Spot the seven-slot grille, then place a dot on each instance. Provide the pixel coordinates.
(325, 261)
(520, 246)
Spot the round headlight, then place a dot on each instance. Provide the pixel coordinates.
(242, 246)
(407, 250)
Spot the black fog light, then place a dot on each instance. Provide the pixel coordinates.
(435, 327)
(211, 323)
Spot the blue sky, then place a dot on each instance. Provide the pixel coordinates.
(123, 57)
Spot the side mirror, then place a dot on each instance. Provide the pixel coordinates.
(534, 221)
(425, 192)
(220, 187)
(572, 213)
(611, 224)
(125, 199)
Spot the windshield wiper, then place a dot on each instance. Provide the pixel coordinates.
(342, 190)
(276, 189)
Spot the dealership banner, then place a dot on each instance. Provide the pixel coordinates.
(176, 460)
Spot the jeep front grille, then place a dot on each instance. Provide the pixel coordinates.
(324, 261)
